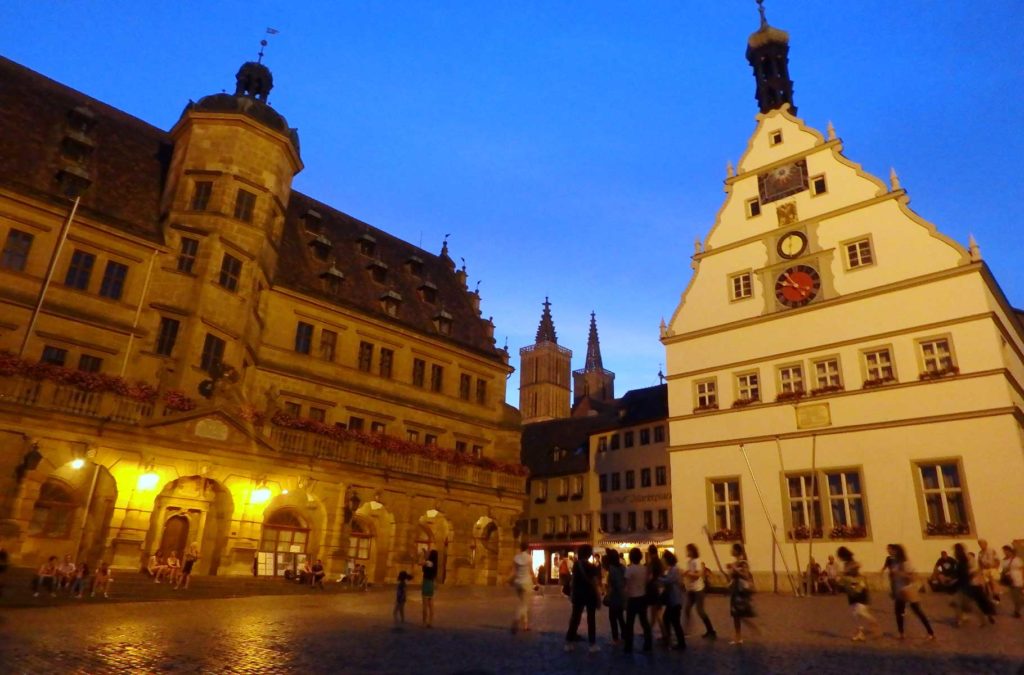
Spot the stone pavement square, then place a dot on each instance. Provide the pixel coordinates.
(354, 633)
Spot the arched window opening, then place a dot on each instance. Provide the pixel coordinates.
(54, 510)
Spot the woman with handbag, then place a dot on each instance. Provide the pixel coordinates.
(671, 582)
(905, 590)
(741, 588)
(856, 593)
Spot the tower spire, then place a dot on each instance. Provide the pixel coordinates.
(546, 329)
(593, 348)
(768, 55)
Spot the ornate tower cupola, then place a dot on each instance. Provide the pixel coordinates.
(593, 381)
(544, 369)
(768, 54)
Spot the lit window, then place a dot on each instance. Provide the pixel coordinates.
(230, 271)
(359, 540)
(79, 270)
(944, 504)
(791, 379)
(187, 254)
(804, 506)
(245, 202)
(725, 505)
(16, 248)
(741, 286)
(858, 254)
(707, 394)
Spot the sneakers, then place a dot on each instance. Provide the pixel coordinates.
(737, 641)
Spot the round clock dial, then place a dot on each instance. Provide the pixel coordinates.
(792, 244)
(797, 286)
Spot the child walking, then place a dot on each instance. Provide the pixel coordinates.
(399, 612)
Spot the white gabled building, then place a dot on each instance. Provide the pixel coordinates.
(869, 367)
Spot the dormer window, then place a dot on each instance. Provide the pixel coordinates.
(428, 291)
(321, 246)
(73, 180)
(81, 119)
(415, 265)
(443, 322)
(390, 302)
(775, 137)
(313, 221)
(378, 271)
(332, 278)
(367, 244)
(76, 146)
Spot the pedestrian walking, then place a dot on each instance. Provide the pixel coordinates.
(672, 587)
(989, 563)
(1012, 576)
(429, 568)
(398, 613)
(741, 590)
(970, 587)
(523, 580)
(585, 596)
(191, 556)
(696, 589)
(856, 588)
(636, 600)
(655, 593)
(615, 595)
(906, 589)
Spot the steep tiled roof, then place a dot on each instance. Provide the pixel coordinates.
(126, 165)
(643, 405)
(540, 439)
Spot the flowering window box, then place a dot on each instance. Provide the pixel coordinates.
(576, 497)
(938, 374)
(803, 533)
(562, 498)
(744, 402)
(727, 535)
(795, 395)
(540, 500)
(848, 532)
(877, 382)
(947, 529)
(704, 408)
(830, 389)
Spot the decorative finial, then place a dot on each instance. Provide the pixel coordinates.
(477, 289)
(463, 263)
(972, 247)
(661, 375)
(729, 171)
(444, 246)
(263, 43)
(760, 10)
(831, 131)
(894, 180)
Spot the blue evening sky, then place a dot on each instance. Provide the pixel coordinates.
(574, 149)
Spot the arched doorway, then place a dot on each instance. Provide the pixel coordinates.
(486, 543)
(284, 543)
(370, 543)
(434, 532)
(175, 536)
(192, 509)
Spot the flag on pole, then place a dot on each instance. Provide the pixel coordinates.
(272, 31)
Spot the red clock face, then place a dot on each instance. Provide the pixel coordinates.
(797, 286)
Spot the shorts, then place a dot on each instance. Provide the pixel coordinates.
(428, 588)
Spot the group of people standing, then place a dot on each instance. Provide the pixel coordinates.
(73, 578)
(976, 580)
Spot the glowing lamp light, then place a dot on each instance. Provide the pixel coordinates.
(260, 495)
(432, 513)
(148, 481)
(77, 463)
(285, 491)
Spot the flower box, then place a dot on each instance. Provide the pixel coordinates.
(744, 402)
(709, 406)
(540, 500)
(727, 535)
(576, 497)
(830, 389)
(877, 382)
(938, 374)
(803, 533)
(848, 532)
(562, 498)
(947, 529)
(790, 396)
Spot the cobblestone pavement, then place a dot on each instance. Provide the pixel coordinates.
(353, 633)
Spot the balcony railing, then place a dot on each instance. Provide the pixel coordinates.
(64, 398)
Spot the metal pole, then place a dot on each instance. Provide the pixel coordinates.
(49, 275)
(88, 507)
(814, 493)
(796, 551)
(768, 517)
(138, 313)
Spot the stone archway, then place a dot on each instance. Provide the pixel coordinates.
(435, 531)
(485, 549)
(371, 540)
(284, 542)
(197, 509)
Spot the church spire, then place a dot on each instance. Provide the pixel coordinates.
(768, 55)
(546, 329)
(593, 348)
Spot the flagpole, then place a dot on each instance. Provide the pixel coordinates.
(767, 516)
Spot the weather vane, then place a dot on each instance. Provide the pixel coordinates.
(263, 43)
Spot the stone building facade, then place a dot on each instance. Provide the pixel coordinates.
(194, 352)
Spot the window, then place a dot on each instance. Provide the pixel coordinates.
(245, 201)
(365, 356)
(303, 337)
(230, 270)
(419, 368)
(465, 382)
(481, 392)
(604, 522)
(648, 520)
(387, 358)
(563, 487)
(443, 323)
(328, 344)
(380, 428)
(187, 254)
(534, 525)
(54, 355)
(367, 244)
(436, 377)
(846, 503)
(478, 451)
(359, 541)
(659, 434)
(753, 207)
(631, 521)
(645, 478)
(627, 439)
(79, 270)
(201, 191)
(318, 414)
(429, 439)
(167, 335)
(818, 185)
(460, 447)
(791, 379)
(563, 523)
(616, 522)
(662, 519)
(602, 444)
(602, 483)
(112, 285)
(804, 506)
(550, 525)
(878, 366)
(428, 292)
(16, 248)
(213, 352)
(748, 387)
(936, 356)
(858, 254)
(775, 137)
(412, 436)
(944, 505)
(542, 489)
(741, 285)
(293, 409)
(378, 272)
(630, 479)
(660, 475)
(355, 423)
(616, 484)
(89, 363)
(390, 302)
(54, 510)
(725, 503)
(707, 396)
(826, 375)
(645, 437)
(615, 442)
